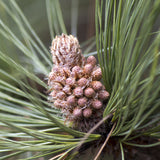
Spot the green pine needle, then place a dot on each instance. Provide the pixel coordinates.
(131, 65)
(128, 53)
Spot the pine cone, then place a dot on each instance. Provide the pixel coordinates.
(66, 51)
(75, 84)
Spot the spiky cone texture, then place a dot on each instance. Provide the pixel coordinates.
(75, 84)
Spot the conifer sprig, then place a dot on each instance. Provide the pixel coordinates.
(130, 65)
(128, 53)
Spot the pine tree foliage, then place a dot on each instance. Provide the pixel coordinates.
(129, 57)
(128, 53)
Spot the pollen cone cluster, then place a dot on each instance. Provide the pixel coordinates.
(75, 86)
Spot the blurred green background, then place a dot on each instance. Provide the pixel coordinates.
(78, 16)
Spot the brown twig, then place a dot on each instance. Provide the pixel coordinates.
(56, 156)
(104, 144)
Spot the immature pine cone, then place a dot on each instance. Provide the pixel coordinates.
(66, 51)
(75, 84)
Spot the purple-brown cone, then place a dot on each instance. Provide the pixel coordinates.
(75, 84)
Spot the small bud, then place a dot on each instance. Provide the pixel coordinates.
(60, 80)
(61, 95)
(76, 69)
(92, 60)
(57, 75)
(82, 82)
(55, 71)
(77, 72)
(88, 68)
(103, 95)
(97, 104)
(67, 71)
(67, 89)
(87, 112)
(82, 101)
(77, 112)
(71, 100)
(70, 81)
(60, 104)
(64, 104)
(97, 74)
(97, 85)
(89, 92)
(57, 86)
(57, 104)
(78, 92)
(53, 94)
